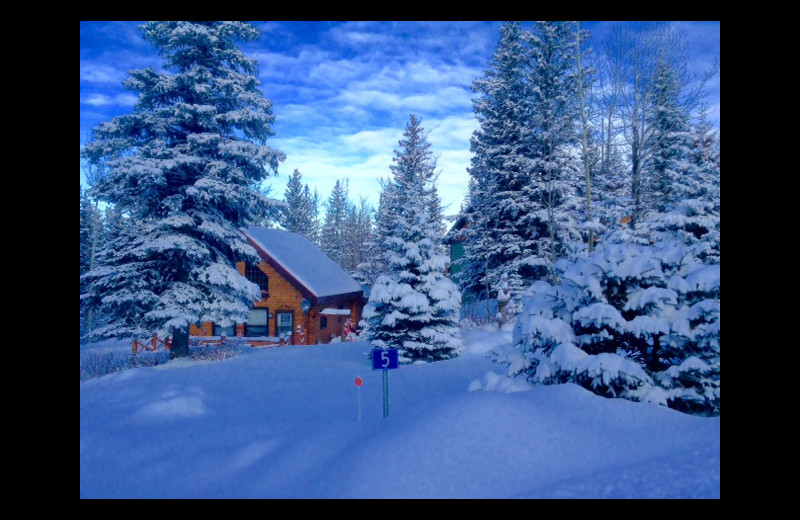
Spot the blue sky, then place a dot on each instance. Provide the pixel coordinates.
(342, 92)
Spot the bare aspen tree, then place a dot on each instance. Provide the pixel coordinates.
(584, 130)
(634, 53)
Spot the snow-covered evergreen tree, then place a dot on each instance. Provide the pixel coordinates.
(313, 202)
(358, 237)
(523, 170)
(333, 235)
(694, 214)
(627, 320)
(505, 229)
(554, 117)
(374, 263)
(300, 215)
(91, 231)
(92, 236)
(683, 183)
(414, 307)
(185, 165)
(672, 143)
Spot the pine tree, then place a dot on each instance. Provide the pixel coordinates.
(554, 113)
(375, 263)
(91, 231)
(671, 143)
(358, 236)
(626, 320)
(684, 178)
(333, 234)
(92, 235)
(695, 215)
(414, 307)
(292, 217)
(523, 172)
(185, 166)
(504, 228)
(300, 214)
(312, 203)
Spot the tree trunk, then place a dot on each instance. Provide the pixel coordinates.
(584, 139)
(180, 343)
(95, 225)
(636, 170)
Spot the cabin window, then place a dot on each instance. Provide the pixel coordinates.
(257, 276)
(323, 322)
(257, 324)
(228, 332)
(284, 320)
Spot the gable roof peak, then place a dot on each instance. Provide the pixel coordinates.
(304, 261)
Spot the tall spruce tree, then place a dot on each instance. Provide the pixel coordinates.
(92, 236)
(414, 307)
(554, 114)
(300, 213)
(375, 264)
(672, 142)
(292, 215)
(690, 204)
(358, 236)
(522, 172)
(333, 234)
(312, 200)
(185, 165)
(504, 228)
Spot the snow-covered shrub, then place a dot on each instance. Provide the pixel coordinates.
(228, 349)
(97, 364)
(627, 320)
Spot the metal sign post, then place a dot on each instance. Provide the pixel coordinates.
(385, 359)
(358, 383)
(385, 394)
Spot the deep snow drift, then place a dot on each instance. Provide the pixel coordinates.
(283, 423)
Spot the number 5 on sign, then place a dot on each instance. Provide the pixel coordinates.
(384, 359)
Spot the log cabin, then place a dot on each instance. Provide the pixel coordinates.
(304, 294)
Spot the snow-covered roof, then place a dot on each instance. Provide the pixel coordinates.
(335, 312)
(305, 262)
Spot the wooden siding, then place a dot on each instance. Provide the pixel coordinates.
(206, 330)
(334, 328)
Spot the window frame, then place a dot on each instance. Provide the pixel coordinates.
(256, 275)
(247, 325)
(215, 328)
(277, 321)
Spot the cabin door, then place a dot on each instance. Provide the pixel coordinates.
(285, 322)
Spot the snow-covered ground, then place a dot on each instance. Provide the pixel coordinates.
(283, 423)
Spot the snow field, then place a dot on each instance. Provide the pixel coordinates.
(282, 423)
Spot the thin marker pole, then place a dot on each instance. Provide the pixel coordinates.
(385, 393)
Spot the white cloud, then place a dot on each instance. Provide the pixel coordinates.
(100, 73)
(361, 34)
(372, 141)
(103, 100)
(436, 101)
